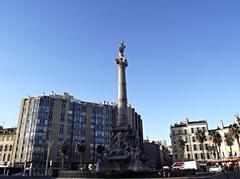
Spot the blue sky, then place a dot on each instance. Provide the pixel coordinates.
(183, 56)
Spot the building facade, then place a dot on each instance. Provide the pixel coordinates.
(153, 155)
(225, 150)
(193, 149)
(165, 153)
(45, 122)
(7, 137)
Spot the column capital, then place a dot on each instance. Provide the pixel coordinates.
(122, 62)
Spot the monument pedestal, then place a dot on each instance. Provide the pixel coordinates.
(120, 166)
(123, 155)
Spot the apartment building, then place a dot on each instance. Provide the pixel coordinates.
(7, 137)
(225, 150)
(193, 149)
(46, 121)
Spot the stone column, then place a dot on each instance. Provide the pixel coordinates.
(122, 119)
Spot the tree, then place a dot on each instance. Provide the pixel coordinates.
(234, 131)
(229, 141)
(218, 142)
(81, 148)
(181, 145)
(212, 137)
(201, 137)
(216, 139)
(238, 118)
(63, 151)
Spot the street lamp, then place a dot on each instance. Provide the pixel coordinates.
(48, 153)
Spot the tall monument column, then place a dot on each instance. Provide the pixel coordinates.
(122, 63)
(124, 152)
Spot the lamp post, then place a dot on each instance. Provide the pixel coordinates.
(48, 153)
(30, 169)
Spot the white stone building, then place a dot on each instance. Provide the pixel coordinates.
(193, 149)
(224, 150)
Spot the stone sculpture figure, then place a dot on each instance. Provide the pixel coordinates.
(121, 49)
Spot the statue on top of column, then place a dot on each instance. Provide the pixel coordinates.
(121, 49)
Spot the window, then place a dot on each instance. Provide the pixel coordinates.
(196, 156)
(185, 131)
(188, 155)
(194, 147)
(1, 147)
(201, 156)
(208, 157)
(5, 149)
(192, 130)
(206, 146)
(62, 117)
(203, 129)
(187, 146)
(10, 148)
(193, 139)
(3, 159)
(61, 128)
(200, 146)
(176, 156)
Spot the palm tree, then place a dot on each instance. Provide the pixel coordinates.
(201, 137)
(181, 145)
(216, 139)
(238, 118)
(81, 148)
(229, 141)
(234, 131)
(63, 151)
(212, 137)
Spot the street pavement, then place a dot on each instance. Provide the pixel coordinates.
(200, 175)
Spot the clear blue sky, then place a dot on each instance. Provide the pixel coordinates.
(184, 56)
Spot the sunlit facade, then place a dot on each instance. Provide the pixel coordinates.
(47, 121)
(193, 149)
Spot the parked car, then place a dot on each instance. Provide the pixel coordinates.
(216, 168)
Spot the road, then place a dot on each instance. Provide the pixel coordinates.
(200, 175)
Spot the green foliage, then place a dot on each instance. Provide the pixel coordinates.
(100, 149)
(238, 118)
(64, 148)
(215, 137)
(181, 145)
(229, 139)
(234, 130)
(200, 136)
(81, 146)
